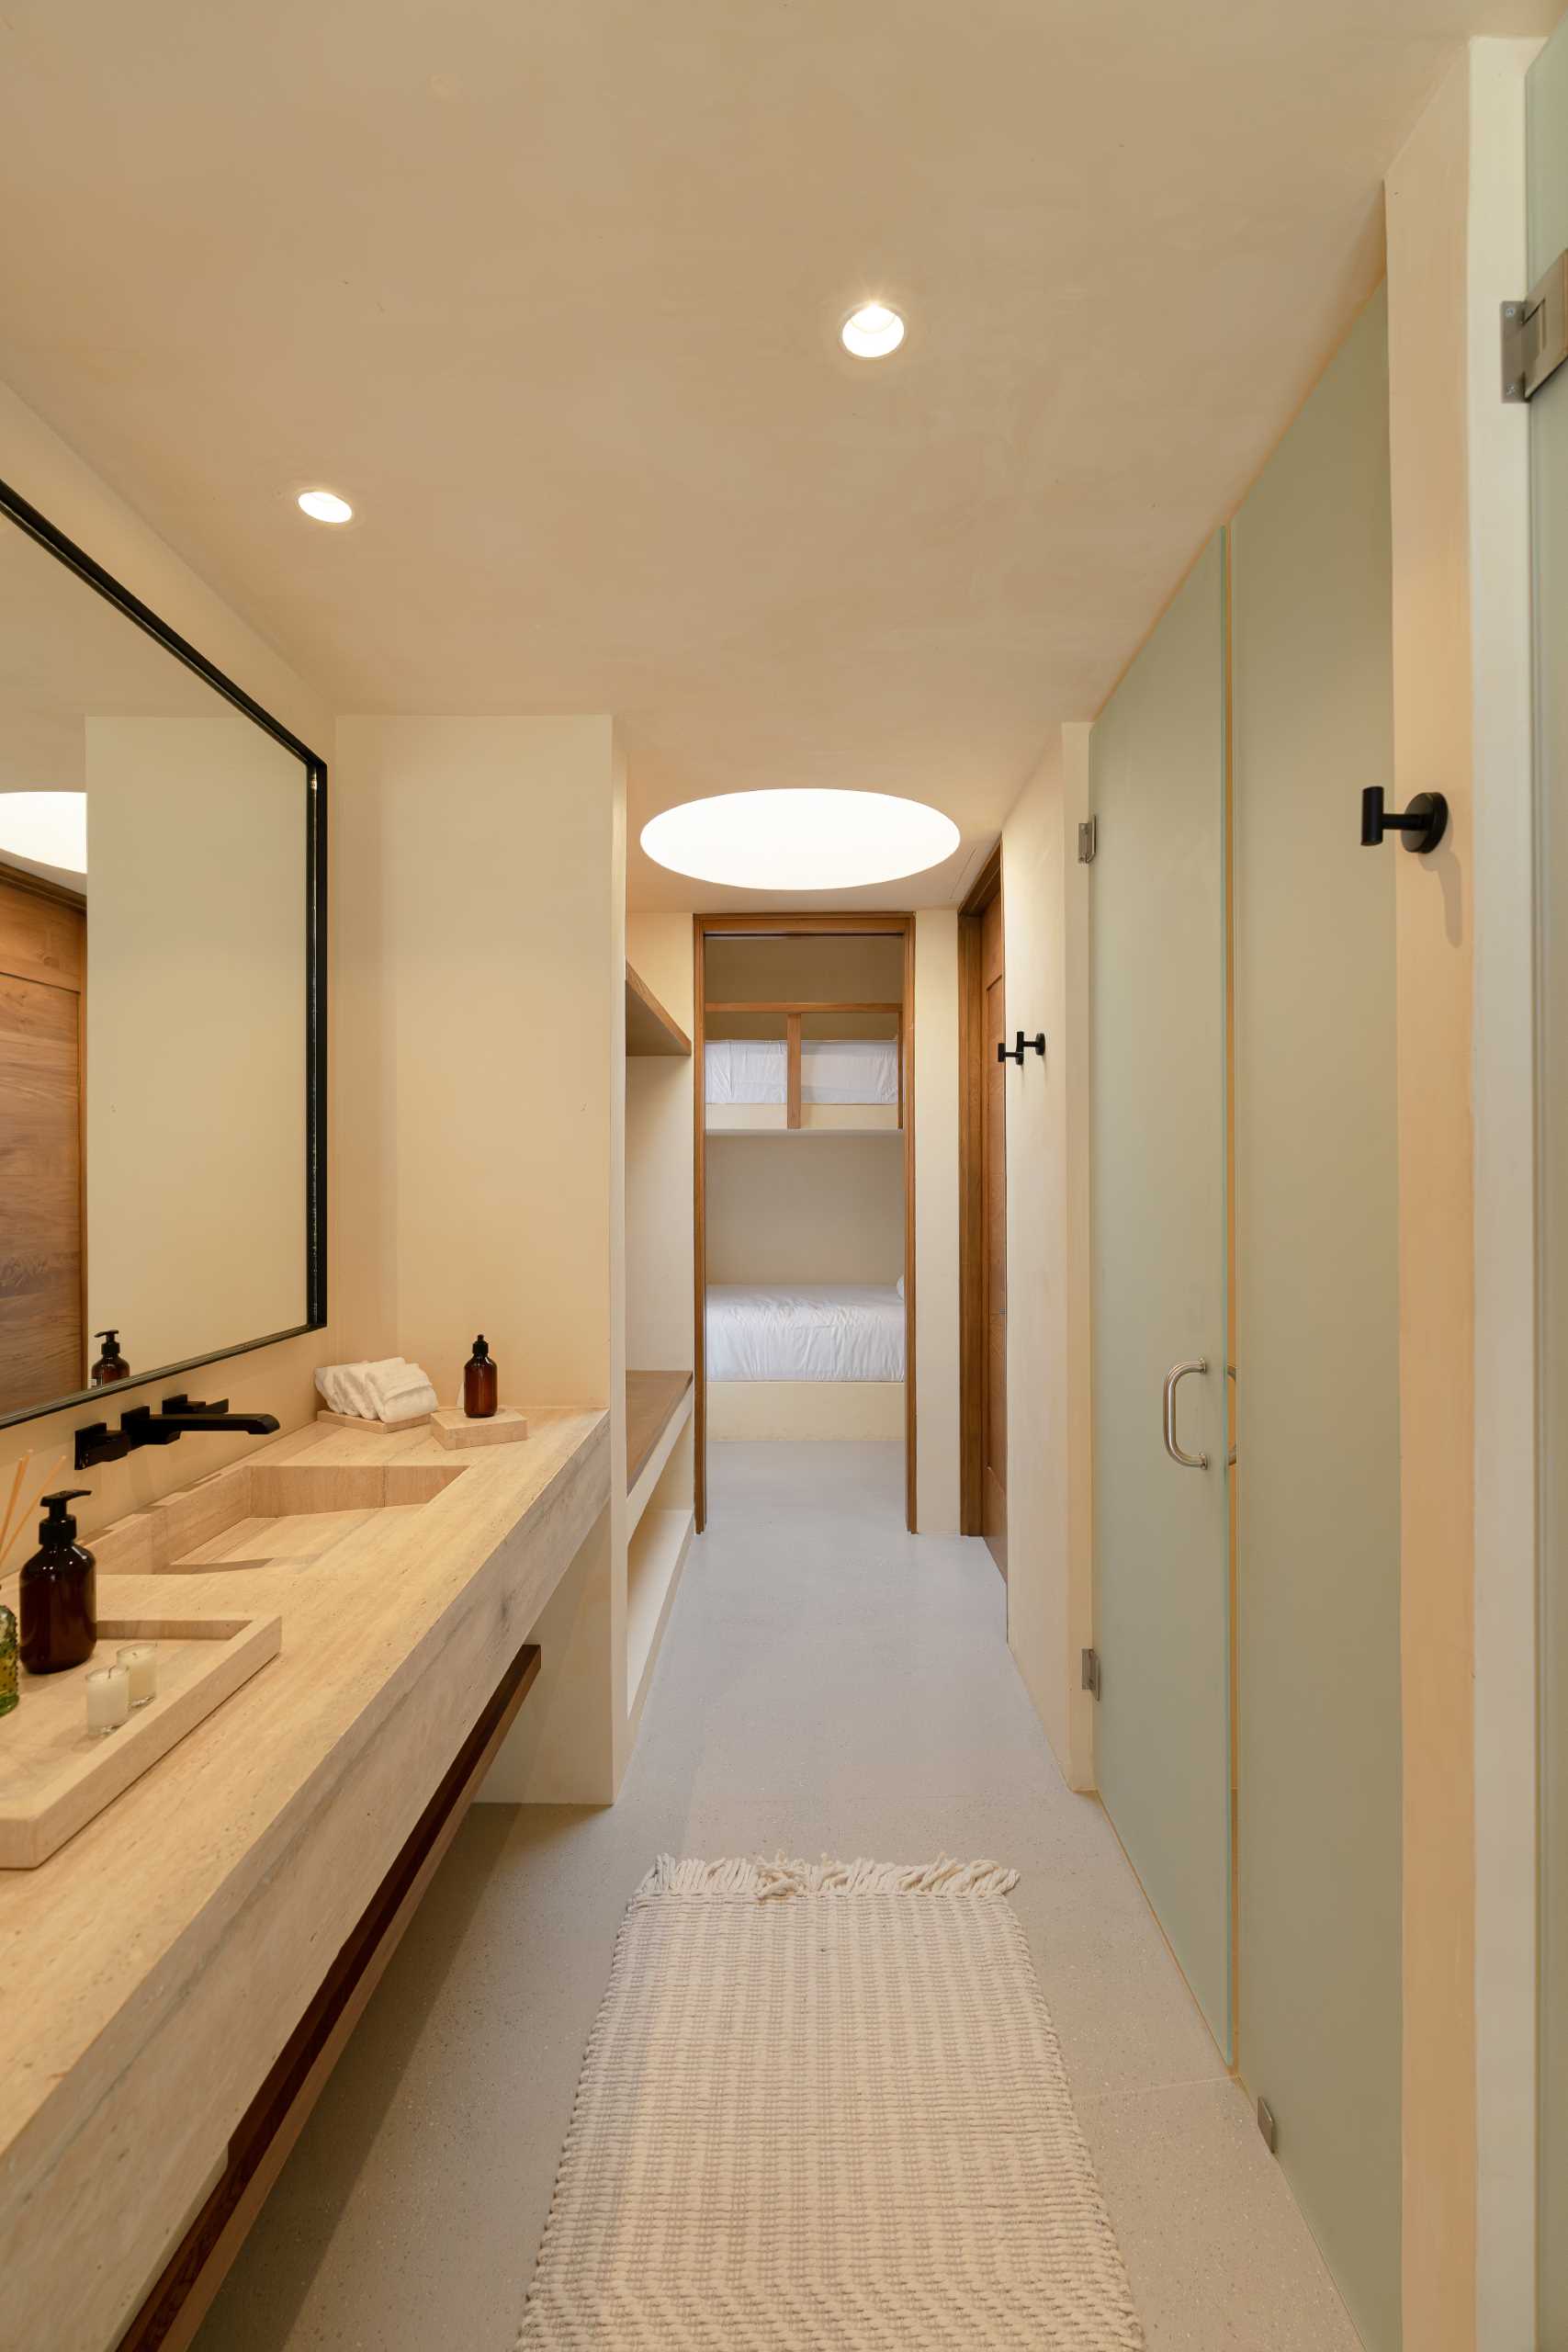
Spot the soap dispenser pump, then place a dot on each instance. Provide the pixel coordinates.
(481, 1383)
(58, 1593)
(111, 1364)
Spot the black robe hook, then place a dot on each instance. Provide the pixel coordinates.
(1423, 824)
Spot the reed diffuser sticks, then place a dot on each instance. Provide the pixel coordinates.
(12, 1529)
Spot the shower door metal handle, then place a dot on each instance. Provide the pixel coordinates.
(1173, 1380)
(1230, 1458)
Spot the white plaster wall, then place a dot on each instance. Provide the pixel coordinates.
(806, 1208)
(854, 966)
(936, 1221)
(1049, 1567)
(498, 878)
(1455, 247)
(495, 880)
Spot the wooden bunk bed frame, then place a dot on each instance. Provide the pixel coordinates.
(802, 926)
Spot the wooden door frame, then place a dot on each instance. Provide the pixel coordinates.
(971, 1197)
(797, 926)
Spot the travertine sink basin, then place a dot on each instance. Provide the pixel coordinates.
(272, 1514)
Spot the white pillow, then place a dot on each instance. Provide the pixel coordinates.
(900, 1285)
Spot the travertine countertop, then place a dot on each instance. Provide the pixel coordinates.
(152, 1969)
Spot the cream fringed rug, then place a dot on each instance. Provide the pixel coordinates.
(822, 2110)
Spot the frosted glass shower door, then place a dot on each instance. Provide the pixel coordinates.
(1317, 1324)
(1157, 786)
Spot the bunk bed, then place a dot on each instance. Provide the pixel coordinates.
(804, 1324)
(799, 1083)
(841, 1071)
(834, 1331)
(807, 1358)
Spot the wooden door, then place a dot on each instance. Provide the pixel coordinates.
(994, 1193)
(42, 956)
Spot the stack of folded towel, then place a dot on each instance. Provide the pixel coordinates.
(392, 1390)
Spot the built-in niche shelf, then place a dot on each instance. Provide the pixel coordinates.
(659, 1532)
(659, 1405)
(655, 1557)
(650, 1029)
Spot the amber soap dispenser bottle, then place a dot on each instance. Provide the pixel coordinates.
(58, 1593)
(481, 1383)
(111, 1366)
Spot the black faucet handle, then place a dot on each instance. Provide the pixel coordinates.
(139, 1428)
(184, 1403)
(95, 1442)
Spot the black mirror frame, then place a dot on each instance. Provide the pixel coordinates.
(17, 510)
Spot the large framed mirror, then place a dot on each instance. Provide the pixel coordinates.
(163, 995)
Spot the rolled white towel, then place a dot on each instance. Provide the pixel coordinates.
(391, 1390)
(359, 1379)
(342, 1391)
(401, 1390)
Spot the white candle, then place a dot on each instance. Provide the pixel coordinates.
(108, 1698)
(139, 1661)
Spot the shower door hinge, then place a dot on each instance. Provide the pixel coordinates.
(1087, 840)
(1535, 334)
(1091, 1671)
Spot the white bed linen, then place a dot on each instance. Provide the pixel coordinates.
(800, 1331)
(745, 1070)
(832, 1069)
(849, 1069)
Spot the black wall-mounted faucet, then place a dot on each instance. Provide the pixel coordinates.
(141, 1426)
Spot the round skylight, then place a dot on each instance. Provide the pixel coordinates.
(49, 828)
(872, 332)
(325, 506)
(800, 841)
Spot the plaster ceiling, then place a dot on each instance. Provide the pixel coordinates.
(551, 293)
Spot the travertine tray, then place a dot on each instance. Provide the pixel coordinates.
(450, 1426)
(55, 1775)
(382, 1429)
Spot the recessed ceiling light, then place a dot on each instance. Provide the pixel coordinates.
(872, 332)
(49, 827)
(325, 506)
(800, 841)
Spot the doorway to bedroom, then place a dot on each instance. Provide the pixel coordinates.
(804, 1175)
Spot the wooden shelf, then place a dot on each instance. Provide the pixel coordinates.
(650, 1029)
(806, 1004)
(859, 1121)
(653, 1399)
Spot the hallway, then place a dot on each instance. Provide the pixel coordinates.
(828, 1684)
